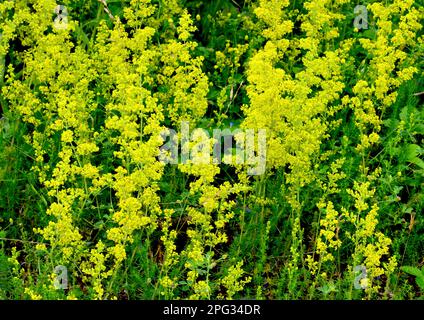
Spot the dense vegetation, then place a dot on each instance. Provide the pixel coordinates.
(89, 209)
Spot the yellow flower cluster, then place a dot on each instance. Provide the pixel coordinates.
(182, 76)
(390, 66)
(95, 110)
(282, 102)
(292, 105)
(233, 281)
(123, 63)
(204, 232)
(328, 235)
(370, 245)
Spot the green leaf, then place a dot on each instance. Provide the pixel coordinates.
(404, 114)
(411, 151)
(412, 270)
(82, 35)
(99, 224)
(390, 123)
(419, 128)
(393, 151)
(420, 282)
(370, 34)
(418, 162)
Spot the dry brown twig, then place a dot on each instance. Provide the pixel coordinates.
(105, 7)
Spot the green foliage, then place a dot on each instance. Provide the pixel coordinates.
(277, 230)
(419, 275)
